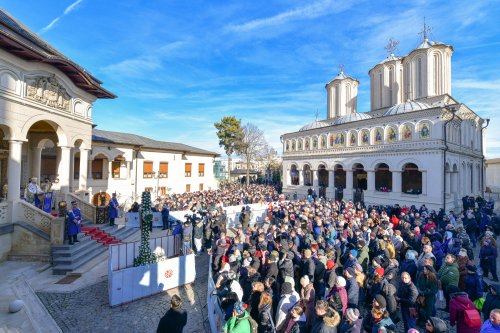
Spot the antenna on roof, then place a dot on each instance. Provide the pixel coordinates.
(425, 31)
(392, 46)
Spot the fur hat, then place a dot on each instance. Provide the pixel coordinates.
(341, 281)
(352, 314)
(381, 301)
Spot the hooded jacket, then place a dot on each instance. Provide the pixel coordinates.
(459, 302)
(327, 324)
(492, 301)
(488, 327)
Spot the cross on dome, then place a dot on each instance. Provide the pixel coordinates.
(392, 46)
(341, 68)
(426, 30)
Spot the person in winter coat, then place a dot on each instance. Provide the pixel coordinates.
(492, 325)
(307, 299)
(437, 250)
(473, 283)
(435, 325)
(175, 319)
(363, 257)
(295, 321)
(327, 319)
(427, 285)
(352, 288)
(255, 297)
(448, 274)
(239, 322)
(462, 262)
(198, 236)
(381, 319)
(459, 302)
(308, 266)
(492, 300)
(289, 298)
(337, 298)
(265, 318)
(352, 322)
(410, 265)
(488, 259)
(406, 297)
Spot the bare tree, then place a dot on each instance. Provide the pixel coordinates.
(251, 146)
(270, 161)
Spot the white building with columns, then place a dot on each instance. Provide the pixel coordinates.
(47, 131)
(417, 145)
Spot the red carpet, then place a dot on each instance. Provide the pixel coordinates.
(100, 236)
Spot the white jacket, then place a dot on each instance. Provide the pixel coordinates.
(287, 301)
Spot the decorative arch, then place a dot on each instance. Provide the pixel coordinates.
(322, 175)
(411, 179)
(81, 142)
(300, 144)
(373, 166)
(307, 175)
(294, 174)
(314, 143)
(79, 108)
(353, 138)
(287, 145)
(294, 145)
(406, 131)
(391, 134)
(383, 177)
(410, 160)
(424, 129)
(339, 175)
(307, 143)
(10, 81)
(377, 135)
(7, 132)
(364, 137)
(323, 142)
(60, 131)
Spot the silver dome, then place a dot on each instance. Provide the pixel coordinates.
(313, 125)
(408, 106)
(355, 116)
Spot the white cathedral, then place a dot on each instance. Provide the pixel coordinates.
(417, 145)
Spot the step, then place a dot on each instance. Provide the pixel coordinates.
(75, 257)
(62, 269)
(81, 237)
(69, 250)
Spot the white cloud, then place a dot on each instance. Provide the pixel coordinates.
(314, 10)
(133, 67)
(67, 10)
(477, 84)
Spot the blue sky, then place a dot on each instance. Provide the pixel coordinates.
(179, 66)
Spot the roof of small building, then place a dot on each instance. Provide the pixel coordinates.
(137, 140)
(408, 106)
(313, 125)
(20, 41)
(355, 116)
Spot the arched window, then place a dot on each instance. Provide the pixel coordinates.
(294, 175)
(339, 176)
(322, 176)
(307, 173)
(359, 177)
(411, 179)
(383, 178)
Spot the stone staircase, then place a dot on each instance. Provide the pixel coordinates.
(94, 240)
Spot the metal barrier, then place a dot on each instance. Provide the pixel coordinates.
(215, 313)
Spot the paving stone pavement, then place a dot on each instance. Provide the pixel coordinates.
(88, 310)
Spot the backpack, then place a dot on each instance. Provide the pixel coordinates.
(254, 327)
(472, 318)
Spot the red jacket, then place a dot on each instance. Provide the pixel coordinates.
(395, 222)
(458, 304)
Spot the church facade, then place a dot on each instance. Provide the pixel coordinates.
(417, 145)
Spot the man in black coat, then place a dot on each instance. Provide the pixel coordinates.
(175, 319)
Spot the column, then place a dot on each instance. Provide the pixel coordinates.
(396, 181)
(371, 180)
(72, 170)
(331, 179)
(64, 168)
(301, 177)
(348, 184)
(315, 178)
(288, 178)
(424, 182)
(14, 170)
(84, 162)
(36, 161)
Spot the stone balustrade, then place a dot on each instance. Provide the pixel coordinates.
(88, 210)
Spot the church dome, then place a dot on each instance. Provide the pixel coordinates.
(313, 125)
(355, 116)
(409, 106)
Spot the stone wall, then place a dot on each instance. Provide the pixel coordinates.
(27, 245)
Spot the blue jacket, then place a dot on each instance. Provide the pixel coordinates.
(473, 286)
(488, 327)
(113, 208)
(75, 218)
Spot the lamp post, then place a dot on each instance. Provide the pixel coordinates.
(482, 156)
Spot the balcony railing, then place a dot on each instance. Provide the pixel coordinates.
(148, 175)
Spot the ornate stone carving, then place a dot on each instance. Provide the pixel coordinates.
(48, 91)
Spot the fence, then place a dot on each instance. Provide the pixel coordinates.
(123, 255)
(128, 283)
(214, 310)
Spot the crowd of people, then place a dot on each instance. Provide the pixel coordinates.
(321, 266)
